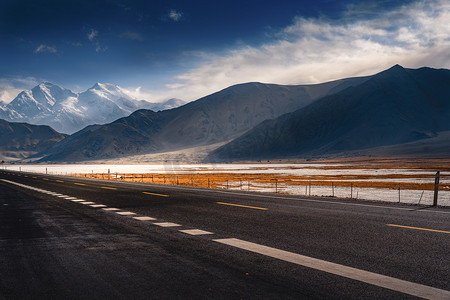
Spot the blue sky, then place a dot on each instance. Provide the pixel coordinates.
(187, 49)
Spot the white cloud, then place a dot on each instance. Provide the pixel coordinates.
(12, 86)
(175, 15)
(138, 93)
(92, 35)
(45, 48)
(318, 50)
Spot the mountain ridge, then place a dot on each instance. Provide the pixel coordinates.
(395, 106)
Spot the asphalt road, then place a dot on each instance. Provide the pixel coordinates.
(63, 237)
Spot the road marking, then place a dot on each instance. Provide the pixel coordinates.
(45, 178)
(418, 228)
(238, 205)
(34, 177)
(153, 194)
(62, 196)
(144, 218)
(167, 224)
(78, 200)
(125, 213)
(98, 205)
(87, 203)
(387, 282)
(110, 209)
(195, 232)
(77, 183)
(71, 198)
(108, 188)
(59, 181)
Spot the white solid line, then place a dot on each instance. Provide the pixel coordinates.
(167, 224)
(87, 203)
(195, 232)
(98, 205)
(125, 213)
(110, 209)
(387, 282)
(144, 218)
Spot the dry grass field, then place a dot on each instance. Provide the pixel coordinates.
(385, 179)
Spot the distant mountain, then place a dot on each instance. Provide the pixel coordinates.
(21, 140)
(68, 112)
(395, 107)
(216, 118)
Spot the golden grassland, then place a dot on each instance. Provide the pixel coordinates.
(246, 181)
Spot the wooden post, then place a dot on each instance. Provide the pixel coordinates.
(399, 194)
(177, 181)
(208, 184)
(436, 188)
(276, 186)
(332, 189)
(351, 190)
(109, 174)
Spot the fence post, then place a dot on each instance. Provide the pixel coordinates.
(276, 186)
(332, 188)
(436, 188)
(109, 173)
(208, 184)
(399, 194)
(351, 190)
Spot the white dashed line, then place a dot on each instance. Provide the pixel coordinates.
(387, 282)
(195, 232)
(78, 200)
(125, 213)
(71, 198)
(166, 224)
(144, 218)
(98, 205)
(87, 203)
(110, 209)
(62, 196)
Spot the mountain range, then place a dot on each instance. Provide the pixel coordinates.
(213, 119)
(393, 113)
(69, 112)
(396, 109)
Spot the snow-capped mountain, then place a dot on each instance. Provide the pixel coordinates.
(68, 112)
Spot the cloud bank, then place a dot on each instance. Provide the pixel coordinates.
(321, 49)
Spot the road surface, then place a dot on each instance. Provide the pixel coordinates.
(64, 237)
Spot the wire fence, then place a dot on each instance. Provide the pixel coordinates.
(400, 192)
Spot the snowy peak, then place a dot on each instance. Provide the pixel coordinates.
(108, 90)
(68, 112)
